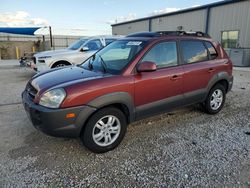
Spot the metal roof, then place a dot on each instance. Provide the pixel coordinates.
(220, 3)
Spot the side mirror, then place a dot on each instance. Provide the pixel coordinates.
(84, 49)
(146, 66)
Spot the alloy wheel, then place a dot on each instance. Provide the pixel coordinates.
(106, 130)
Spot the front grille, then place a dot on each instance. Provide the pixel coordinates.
(31, 90)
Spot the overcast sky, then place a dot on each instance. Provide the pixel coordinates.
(88, 17)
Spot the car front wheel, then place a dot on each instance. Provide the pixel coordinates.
(104, 130)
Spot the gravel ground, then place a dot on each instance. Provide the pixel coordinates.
(185, 148)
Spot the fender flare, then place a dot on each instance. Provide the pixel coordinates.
(115, 98)
(216, 78)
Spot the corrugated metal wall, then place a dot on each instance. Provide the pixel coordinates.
(130, 28)
(231, 17)
(235, 16)
(191, 21)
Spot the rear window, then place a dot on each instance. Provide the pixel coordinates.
(194, 51)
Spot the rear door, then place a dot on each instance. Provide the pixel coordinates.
(199, 67)
(161, 90)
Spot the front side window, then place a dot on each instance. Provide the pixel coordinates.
(193, 51)
(229, 39)
(94, 45)
(163, 54)
(114, 57)
(76, 45)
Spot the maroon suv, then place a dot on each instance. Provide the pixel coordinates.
(138, 76)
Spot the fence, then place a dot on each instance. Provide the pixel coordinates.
(10, 44)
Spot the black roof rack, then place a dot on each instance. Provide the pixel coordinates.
(144, 34)
(167, 33)
(183, 33)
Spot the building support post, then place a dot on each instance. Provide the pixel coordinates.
(50, 36)
(43, 43)
(149, 24)
(207, 20)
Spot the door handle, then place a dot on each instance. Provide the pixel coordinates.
(211, 70)
(175, 77)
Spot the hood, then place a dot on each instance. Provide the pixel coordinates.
(54, 52)
(62, 76)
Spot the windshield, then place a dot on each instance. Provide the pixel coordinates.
(114, 58)
(76, 45)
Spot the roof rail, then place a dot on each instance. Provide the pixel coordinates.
(183, 33)
(144, 34)
(171, 33)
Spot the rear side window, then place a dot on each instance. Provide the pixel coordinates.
(163, 54)
(193, 51)
(212, 52)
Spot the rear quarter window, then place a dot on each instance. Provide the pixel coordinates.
(212, 52)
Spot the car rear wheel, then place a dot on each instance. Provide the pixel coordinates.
(215, 99)
(104, 130)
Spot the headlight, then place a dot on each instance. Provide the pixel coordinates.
(53, 98)
(44, 57)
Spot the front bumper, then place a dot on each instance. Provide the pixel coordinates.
(53, 121)
(40, 67)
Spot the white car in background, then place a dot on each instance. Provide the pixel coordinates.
(76, 53)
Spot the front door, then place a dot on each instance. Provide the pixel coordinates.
(161, 90)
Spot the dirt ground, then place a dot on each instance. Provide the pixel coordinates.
(184, 148)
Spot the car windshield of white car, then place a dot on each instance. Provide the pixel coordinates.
(76, 45)
(115, 57)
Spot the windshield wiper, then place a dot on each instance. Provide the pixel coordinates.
(104, 66)
(90, 66)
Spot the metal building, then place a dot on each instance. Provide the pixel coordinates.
(226, 21)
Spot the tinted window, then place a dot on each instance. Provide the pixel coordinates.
(193, 51)
(94, 45)
(211, 49)
(115, 56)
(163, 54)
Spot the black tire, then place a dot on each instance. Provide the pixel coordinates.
(87, 134)
(207, 105)
(60, 64)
